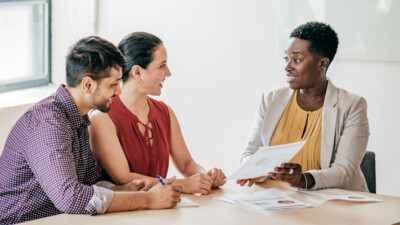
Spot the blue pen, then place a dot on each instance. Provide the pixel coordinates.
(161, 180)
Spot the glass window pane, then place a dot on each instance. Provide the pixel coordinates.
(22, 41)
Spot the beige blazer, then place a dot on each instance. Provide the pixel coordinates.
(345, 133)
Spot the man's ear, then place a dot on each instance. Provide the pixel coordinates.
(88, 85)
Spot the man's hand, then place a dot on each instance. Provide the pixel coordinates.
(164, 196)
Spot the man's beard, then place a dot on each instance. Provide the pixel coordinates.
(100, 106)
(103, 107)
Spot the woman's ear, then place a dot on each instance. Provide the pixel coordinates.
(324, 63)
(136, 72)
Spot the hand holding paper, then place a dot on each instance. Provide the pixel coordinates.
(265, 160)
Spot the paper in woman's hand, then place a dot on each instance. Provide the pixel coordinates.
(265, 160)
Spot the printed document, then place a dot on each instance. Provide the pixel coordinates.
(267, 201)
(265, 160)
(340, 194)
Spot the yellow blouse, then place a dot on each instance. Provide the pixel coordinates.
(299, 125)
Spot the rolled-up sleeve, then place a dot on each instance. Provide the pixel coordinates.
(101, 199)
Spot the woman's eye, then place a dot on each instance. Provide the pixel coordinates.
(297, 60)
(285, 58)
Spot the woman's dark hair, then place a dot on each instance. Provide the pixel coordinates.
(92, 56)
(138, 48)
(323, 39)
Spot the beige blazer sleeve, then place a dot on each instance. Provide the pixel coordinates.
(345, 133)
(254, 139)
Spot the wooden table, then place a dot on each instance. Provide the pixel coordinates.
(215, 212)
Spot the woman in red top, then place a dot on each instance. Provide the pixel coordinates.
(137, 136)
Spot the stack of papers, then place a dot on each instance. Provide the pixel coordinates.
(267, 201)
(278, 200)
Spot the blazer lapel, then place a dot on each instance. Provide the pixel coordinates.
(328, 129)
(274, 113)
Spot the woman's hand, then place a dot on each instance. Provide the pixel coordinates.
(197, 183)
(250, 181)
(288, 172)
(217, 177)
(135, 185)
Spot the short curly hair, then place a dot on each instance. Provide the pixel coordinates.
(323, 39)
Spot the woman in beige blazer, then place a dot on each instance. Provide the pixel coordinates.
(344, 131)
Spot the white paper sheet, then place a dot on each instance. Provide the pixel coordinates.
(267, 201)
(185, 202)
(340, 194)
(265, 160)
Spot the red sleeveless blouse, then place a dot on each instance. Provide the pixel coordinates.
(149, 160)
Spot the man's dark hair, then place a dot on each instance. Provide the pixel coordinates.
(138, 49)
(323, 39)
(92, 56)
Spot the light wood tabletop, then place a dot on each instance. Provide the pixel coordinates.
(211, 211)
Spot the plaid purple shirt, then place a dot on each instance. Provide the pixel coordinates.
(47, 166)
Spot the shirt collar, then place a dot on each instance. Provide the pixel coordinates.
(72, 111)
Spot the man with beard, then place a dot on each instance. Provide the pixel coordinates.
(47, 167)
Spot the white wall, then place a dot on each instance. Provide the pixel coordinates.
(223, 55)
(8, 117)
(71, 21)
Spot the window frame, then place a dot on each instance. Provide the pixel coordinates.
(45, 78)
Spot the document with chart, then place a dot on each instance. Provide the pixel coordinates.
(265, 160)
(268, 201)
(339, 194)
